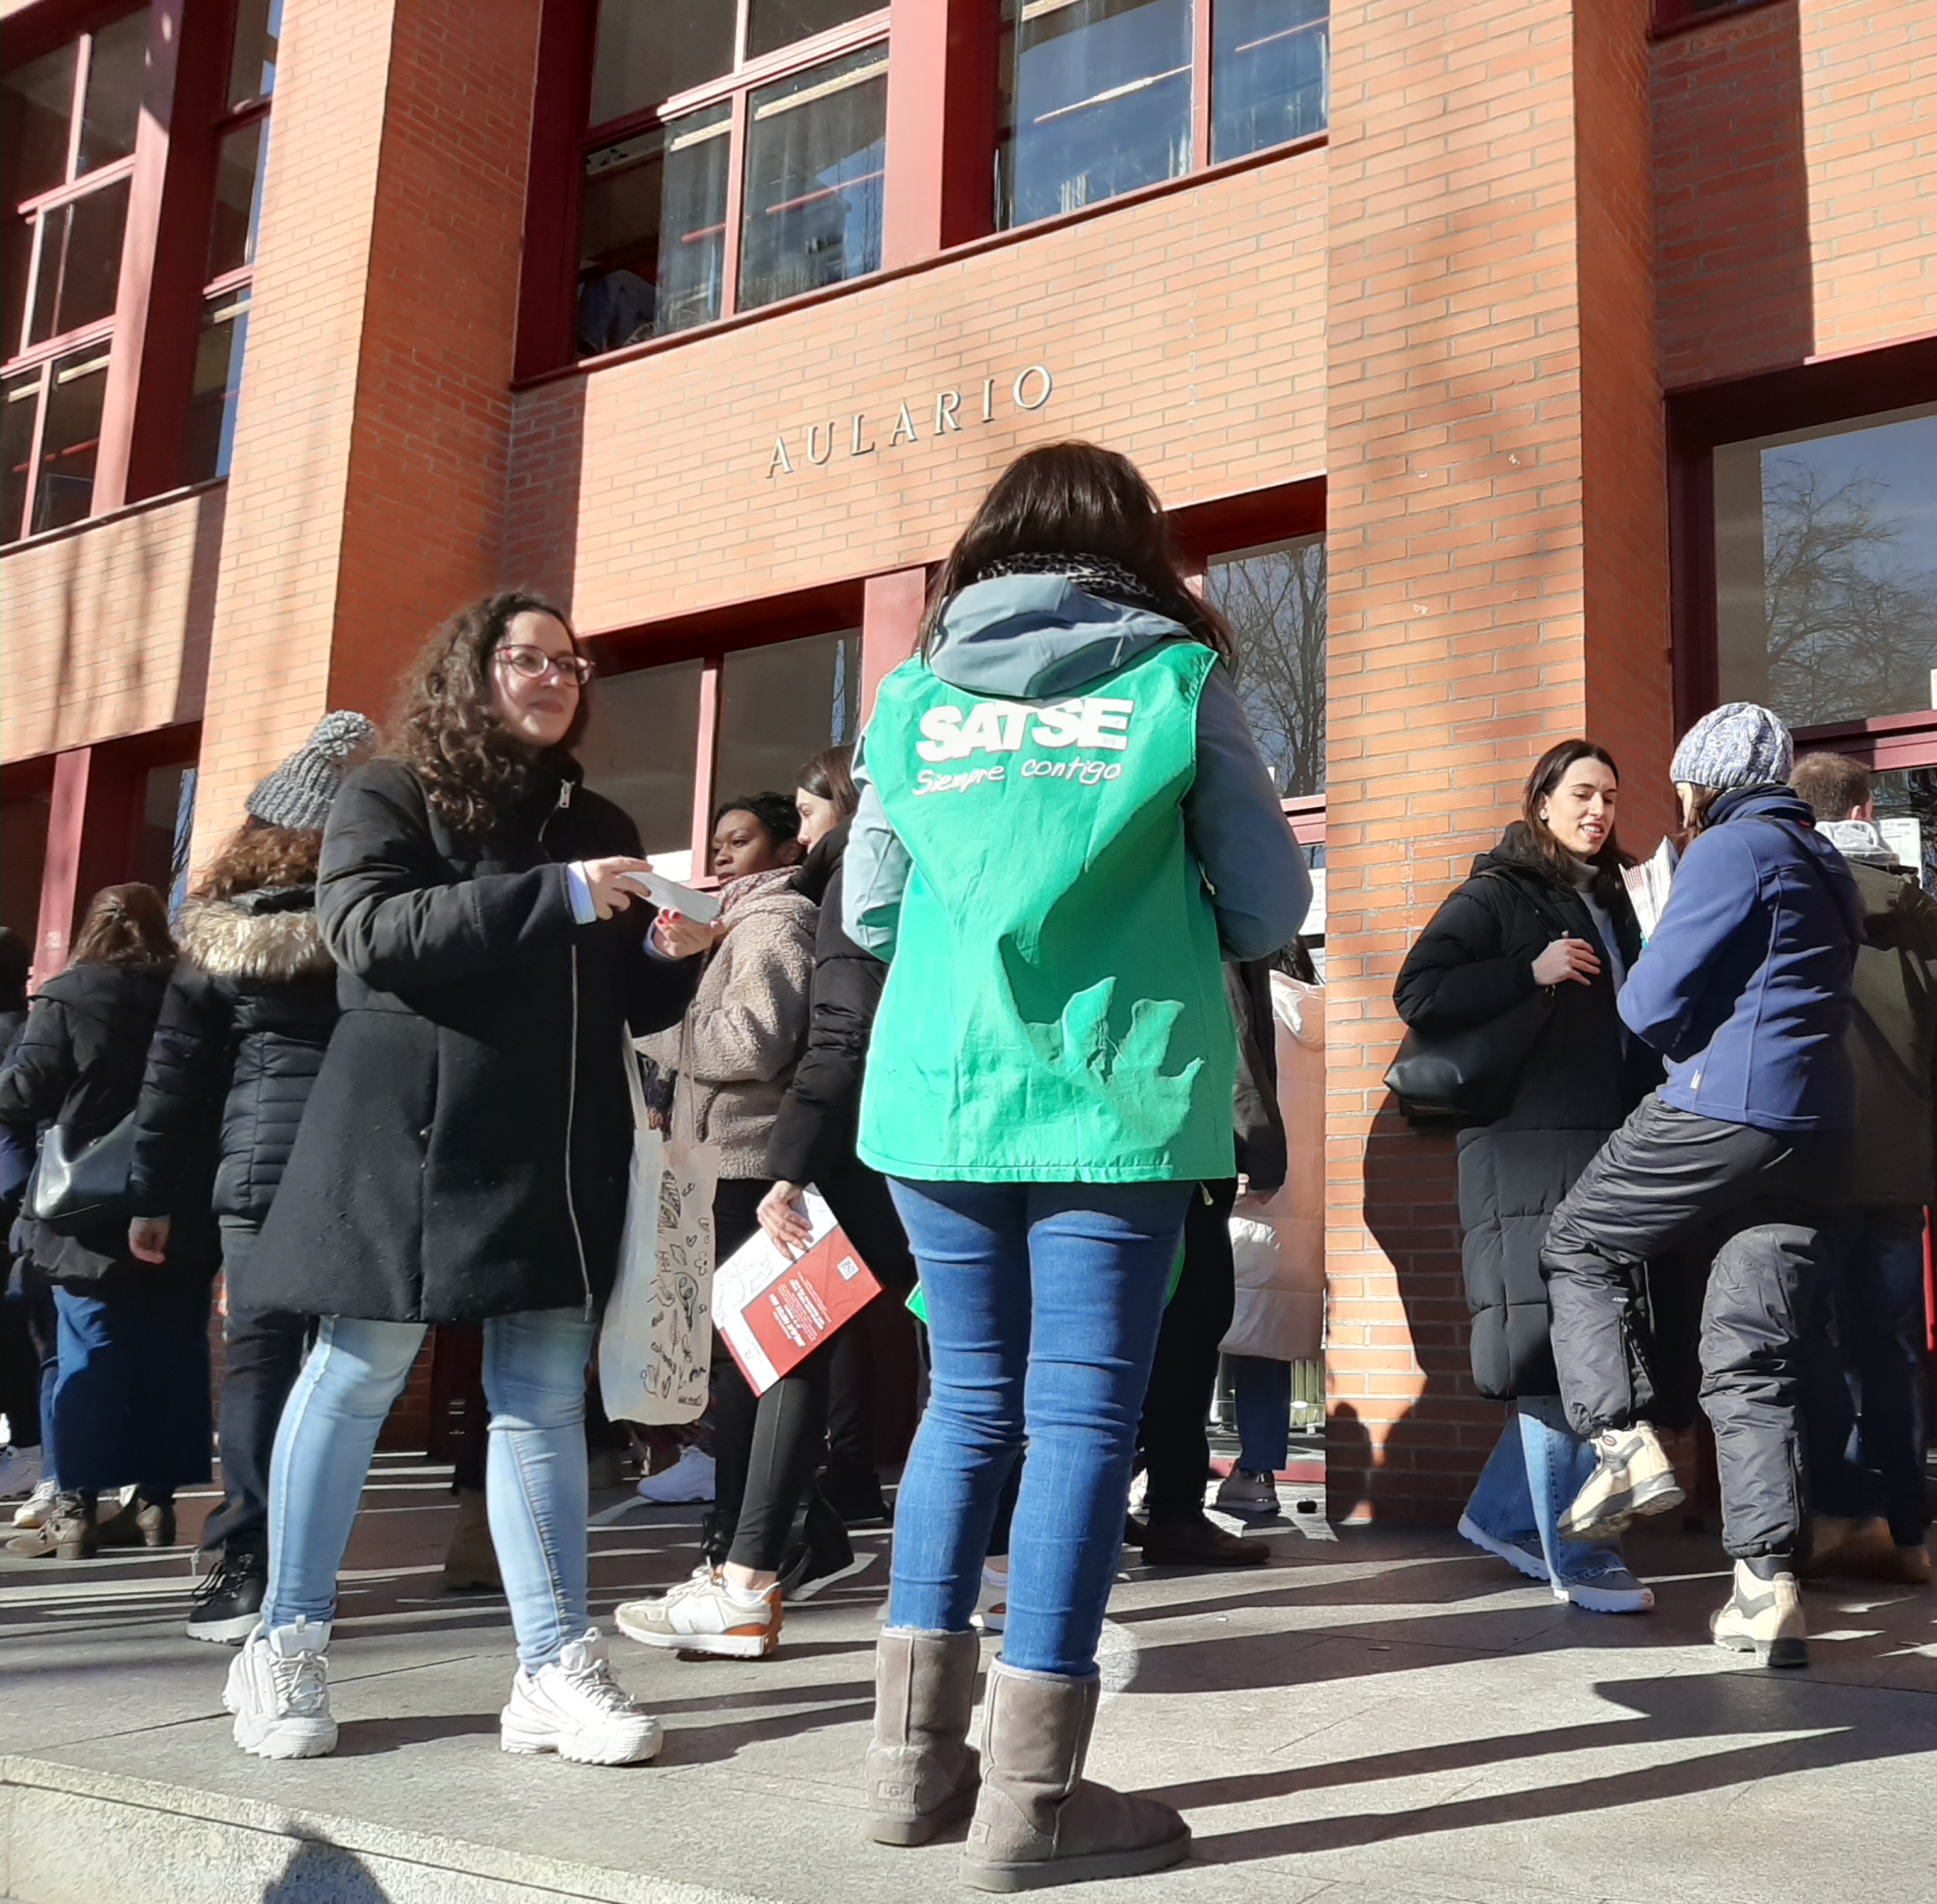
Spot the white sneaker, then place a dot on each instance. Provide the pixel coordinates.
(575, 1708)
(32, 1513)
(703, 1615)
(991, 1599)
(20, 1469)
(689, 1478)
(279, 1691)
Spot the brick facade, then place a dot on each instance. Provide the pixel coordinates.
(1531, 223)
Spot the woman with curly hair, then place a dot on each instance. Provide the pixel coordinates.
(465, 1157)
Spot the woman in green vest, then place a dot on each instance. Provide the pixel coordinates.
(1064, 826)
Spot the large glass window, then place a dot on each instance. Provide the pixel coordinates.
(640, 747)
(1274, 598)
(68, 123)
(1100, 97)
(704, 192)
(779, 706)
(1825, 566)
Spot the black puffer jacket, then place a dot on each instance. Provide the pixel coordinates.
(244, 1027)
(78, 1064)
(467, 1145)
(1473, 961)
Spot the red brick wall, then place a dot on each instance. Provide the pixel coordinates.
(1185, 331)
(368, 471)
(107, 626)
(1793, 151)
(1477, 612)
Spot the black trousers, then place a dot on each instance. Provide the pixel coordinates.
(861, 1205)
(20, 1365)
(263, 1354)
(1753, 1203)
(1172, 1437)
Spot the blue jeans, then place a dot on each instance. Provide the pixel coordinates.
(130, 1400)
(1262, 1389)
(1862, 1389)
(1537, 1466)
(1043, 1304)
(534, 1476)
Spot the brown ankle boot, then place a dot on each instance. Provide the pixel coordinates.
(471, 1561)
(68, 1533)
(921, 1773)
(1038, 1821)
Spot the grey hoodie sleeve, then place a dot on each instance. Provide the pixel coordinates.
(1259, 888)
(874, 873)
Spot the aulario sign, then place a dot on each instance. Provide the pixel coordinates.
(913, 422)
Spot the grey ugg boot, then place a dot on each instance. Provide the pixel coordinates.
(922, 1771)
(1038, 1821)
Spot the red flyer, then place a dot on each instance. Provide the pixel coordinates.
(772, 1309)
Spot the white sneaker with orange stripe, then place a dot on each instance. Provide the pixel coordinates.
(704, 1615)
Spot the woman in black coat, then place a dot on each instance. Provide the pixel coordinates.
(243, 1030)
(464, 1157)
(1546, 910)
(131, 1396)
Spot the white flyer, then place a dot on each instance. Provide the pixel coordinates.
(670, 896)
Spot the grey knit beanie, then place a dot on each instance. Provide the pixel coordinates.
(1740, 744)
(299, 793)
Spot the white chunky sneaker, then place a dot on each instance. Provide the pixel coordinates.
(704, 1615)
(689, 1478)
(279, 1691)
(35, 1511)
(575, 1708)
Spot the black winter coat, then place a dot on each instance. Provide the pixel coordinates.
(1262, 1153)
(813, 1135)
(243, 1030)
(1473, 961)
(78, 1065)
(466, 1147)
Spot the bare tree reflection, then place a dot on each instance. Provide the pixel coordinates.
(1275, 601)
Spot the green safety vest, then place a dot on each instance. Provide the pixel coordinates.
(1056, 1009)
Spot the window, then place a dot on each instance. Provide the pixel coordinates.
(1669, 14)
(668, 743)
(222, 330)
(1100, 97)
(733, 157)
(1274, 598)
(69, 125)
(1825, 569)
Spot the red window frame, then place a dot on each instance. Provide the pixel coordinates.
(1674, 15)
(1832, 390)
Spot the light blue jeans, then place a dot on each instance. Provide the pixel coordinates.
(535, 1474)
(1043, 1304)
(1537, 1466)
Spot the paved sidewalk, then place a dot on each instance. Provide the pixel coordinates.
(1386, 1718)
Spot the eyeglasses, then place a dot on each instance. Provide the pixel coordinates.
(534, 664)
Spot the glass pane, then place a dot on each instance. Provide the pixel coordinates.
(16, 256)
(1825, 569)
(1906, 811)
(813, 212)
(1268, 72)
(161, 837)
(1275, 601)
(70, 439)
(639, 749)
(771, 23)
(779, 707)
(19, 404)
(211, 435)
(117, 74)
(23, 859)
(650, 49)
(38, 107)
(653, 231)
(238, 198)
(252, 67)
(1096, 101)
(81, 262)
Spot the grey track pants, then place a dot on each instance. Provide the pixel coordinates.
(1749, 1205)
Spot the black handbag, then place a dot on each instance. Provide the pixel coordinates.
(1468, 1076)
(78, 1186)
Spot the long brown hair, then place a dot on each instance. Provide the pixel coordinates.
(830, 775)
(125, 926)
(446, 726)
(1076, 499)
(1548, 773)
(257, 854)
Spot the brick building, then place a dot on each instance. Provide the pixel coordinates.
(1514, 368)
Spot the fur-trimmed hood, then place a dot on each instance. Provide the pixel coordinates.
(269, 934)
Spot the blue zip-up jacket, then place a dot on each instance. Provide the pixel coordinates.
(1745, 987)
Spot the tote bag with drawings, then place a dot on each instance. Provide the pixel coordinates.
(1468, 1075)
(656, 1346)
